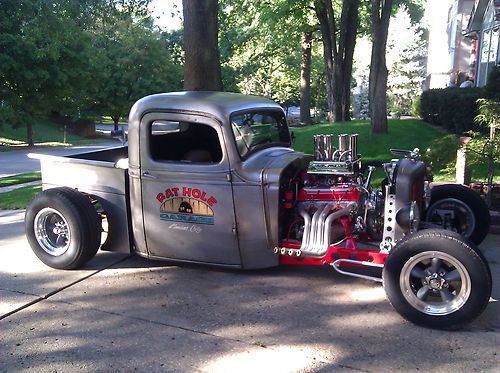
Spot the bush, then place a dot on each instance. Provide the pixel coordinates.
(452, 108)
(492, 89)
(442, 154)
(415, 107)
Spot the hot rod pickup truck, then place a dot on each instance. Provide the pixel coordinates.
(211, 178)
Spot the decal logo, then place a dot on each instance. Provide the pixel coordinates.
(186, 205)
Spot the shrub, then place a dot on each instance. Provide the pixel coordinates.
(415, 107)
(452, 108)
(442, 154)
(429, 106)
(492, 88)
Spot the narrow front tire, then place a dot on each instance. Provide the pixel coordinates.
(437, 279)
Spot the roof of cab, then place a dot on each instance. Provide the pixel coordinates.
(217, 104)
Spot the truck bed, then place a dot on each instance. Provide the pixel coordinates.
(102, 174)
(89, 172)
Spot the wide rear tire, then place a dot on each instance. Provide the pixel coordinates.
(436, 278)
(63, 228)
(460, 209)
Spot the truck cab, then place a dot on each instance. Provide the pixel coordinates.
(201, 173)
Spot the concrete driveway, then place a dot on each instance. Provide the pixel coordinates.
(123, 313)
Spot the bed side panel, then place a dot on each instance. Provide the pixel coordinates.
(100, 179)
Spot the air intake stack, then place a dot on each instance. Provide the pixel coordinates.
(337, 161)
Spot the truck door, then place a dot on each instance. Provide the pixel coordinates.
(187, 196)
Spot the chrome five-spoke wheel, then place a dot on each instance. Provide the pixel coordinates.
(52, 231)
(435, 283)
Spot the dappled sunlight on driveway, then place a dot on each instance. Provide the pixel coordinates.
(276, 359)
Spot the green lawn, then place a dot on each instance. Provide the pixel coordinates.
(45, 133)
(403, 134)
(20, 179)
(437, 148)
(18, 198)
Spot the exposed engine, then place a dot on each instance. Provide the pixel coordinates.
(332, 202)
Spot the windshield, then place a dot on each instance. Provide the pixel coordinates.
(259, 129)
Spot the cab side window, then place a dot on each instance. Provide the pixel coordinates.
(184, 142)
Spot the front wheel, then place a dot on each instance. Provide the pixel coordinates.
(63, 228)
(437, 279)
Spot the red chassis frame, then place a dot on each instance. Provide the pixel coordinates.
(337, 256)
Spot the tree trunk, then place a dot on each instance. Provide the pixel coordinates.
(201, 51)
(29, 133)
(352, 24)
(305, 78)
(338, 48)
(377, 90)
(116, 120)
(491, 163)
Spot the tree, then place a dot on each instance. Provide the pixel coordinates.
(260, 52)
(405, 58)
(339, 39)
(135, 63)
(44, 58)
(380, 15)
(305, 78)
(489, 114)
(377, 91)
(406, 54)
(202, 69)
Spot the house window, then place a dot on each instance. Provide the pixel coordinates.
(488, 54)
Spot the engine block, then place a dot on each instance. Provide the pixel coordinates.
(333, 202)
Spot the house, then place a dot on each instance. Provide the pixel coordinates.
(484, 29)
(450, 54)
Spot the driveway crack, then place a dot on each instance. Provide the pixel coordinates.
(52, 293)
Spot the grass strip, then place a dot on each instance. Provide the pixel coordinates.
(45, 133)
(19, 198)
(20, 179)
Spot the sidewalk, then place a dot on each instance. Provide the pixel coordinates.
(127, 313)
(17, 186)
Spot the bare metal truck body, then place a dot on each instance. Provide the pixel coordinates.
(238, 227)
(211, 178)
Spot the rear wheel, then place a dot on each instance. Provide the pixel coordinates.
(63, 228)
(460, 209)
(437, 279)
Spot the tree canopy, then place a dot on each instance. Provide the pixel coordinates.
(79, 59)
(90, 58)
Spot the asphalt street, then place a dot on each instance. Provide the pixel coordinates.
(17, 161)
(123, 313)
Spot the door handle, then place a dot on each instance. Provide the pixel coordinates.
(147, 175)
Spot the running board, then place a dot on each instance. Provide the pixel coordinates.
(336, 264)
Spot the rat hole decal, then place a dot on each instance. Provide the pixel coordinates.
(188, 205)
